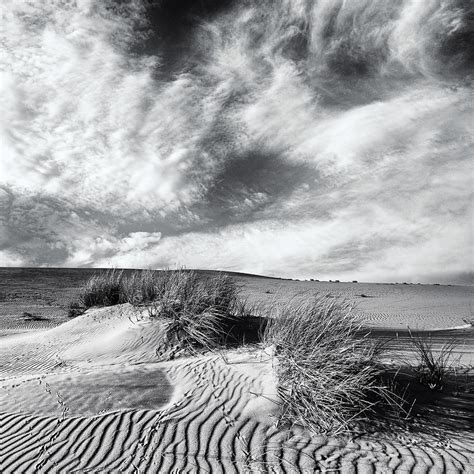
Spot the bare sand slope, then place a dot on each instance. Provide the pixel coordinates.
(382, 305)
(90, 396)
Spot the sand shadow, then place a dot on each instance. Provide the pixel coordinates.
(243, 330)
(433, 412)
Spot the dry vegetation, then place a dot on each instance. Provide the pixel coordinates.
(198, 312)
(104, 289)
(434, 367)
(330, 378)
(330, 375)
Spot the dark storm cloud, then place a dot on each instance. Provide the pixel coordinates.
(275, 136)
(170, 32)
(249, 184)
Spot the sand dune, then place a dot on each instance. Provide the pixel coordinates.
(92, 396)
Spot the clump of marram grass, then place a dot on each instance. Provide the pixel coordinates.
(434, 367)
(103, 289)
(112, 287)
(142, 286)
(329, 376)
(198, 312)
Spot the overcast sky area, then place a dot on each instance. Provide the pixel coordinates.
(296, 138)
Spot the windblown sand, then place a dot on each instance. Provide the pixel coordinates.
(90, 395)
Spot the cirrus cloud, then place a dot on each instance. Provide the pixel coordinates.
(311, 138)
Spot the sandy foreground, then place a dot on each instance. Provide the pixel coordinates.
(91, 395)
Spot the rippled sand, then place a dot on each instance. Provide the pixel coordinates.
(90, 394)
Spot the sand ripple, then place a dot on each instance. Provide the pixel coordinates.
(206, 414)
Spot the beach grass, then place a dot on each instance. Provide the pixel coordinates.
(329, 374)
(433, 367)
(104, 289)
(198, 311)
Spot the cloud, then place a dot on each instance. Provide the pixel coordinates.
(88, 251)
(313, 249)
(83, 117)
(285, 137)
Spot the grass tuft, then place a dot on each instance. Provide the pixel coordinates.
(142, 286)
(103, 289)
(198, 312)
(434, 367)
(329, 377)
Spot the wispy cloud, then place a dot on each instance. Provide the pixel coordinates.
(302, 138)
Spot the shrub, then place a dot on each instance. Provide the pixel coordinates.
(329, 378)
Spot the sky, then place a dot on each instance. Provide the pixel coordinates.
(327, 139)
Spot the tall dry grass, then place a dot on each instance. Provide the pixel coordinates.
(112, 287)
(198, 312)
(103, 289)
(329, 376)
(434, 367)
